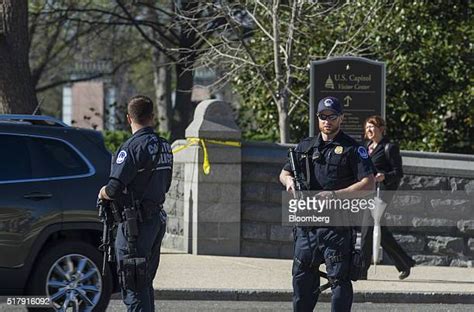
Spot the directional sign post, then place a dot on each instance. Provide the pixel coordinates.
(357, 82)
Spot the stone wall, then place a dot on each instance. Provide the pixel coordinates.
(262, 233)
(236, 208)
(434, 238)
(442, 229)
(174, 205)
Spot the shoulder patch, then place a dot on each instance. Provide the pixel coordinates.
(362, 152)
(121, 157)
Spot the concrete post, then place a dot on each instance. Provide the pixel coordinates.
(212, 202)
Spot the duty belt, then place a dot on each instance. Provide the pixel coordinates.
(148, 211)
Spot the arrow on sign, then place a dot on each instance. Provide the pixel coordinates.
(347, 100)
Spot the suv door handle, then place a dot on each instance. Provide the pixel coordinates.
(37, 196)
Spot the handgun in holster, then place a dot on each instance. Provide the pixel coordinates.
(133, 272)
(357, 265)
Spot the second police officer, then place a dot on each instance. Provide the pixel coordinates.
(337, 166)
(140, 177)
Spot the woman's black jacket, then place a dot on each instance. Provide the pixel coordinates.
(391, 166)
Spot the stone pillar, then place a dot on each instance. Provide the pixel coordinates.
(174, 204)
(212, 202)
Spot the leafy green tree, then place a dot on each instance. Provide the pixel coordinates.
(425, 45)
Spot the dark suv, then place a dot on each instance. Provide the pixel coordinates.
(50, 175)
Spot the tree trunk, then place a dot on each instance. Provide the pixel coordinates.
(283, 121)
(17, 93)
(184, 108)
(162, 83)
(125, 91)
(161, 75)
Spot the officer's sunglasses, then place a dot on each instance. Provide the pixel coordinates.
(328, 117)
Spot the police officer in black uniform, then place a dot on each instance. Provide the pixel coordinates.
(337, 166)
(140, 177)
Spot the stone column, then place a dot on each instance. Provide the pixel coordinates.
(212, 202)
(174, 204)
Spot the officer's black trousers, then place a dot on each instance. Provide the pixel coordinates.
(151, 234)
(312, 248)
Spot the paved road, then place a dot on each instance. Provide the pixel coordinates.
(244, 273)
(217, 306)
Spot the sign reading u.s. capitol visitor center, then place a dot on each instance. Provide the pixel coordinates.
(357, 82)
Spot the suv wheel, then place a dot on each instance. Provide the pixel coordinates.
(69, 273)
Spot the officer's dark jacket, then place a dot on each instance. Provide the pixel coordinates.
(135, 162)
(392, 167)
(333, 165)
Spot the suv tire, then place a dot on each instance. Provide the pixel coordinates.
(70, 271)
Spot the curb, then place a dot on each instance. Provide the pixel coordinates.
(285, 295)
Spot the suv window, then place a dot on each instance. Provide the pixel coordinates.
(14, 158)
(53, 158)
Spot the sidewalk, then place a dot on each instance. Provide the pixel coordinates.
(186, 277)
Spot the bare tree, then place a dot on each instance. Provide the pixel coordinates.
(281, 27)
(17, 94)
(59, 41)
(174, 30)
(162, 76)
(172, 45)
(174, 41)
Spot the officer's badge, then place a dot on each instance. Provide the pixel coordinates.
(362, 152)
(338, 150)
(121, 157)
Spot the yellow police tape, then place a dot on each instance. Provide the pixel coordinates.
(206, 165)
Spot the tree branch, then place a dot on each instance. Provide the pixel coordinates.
(88, 78)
